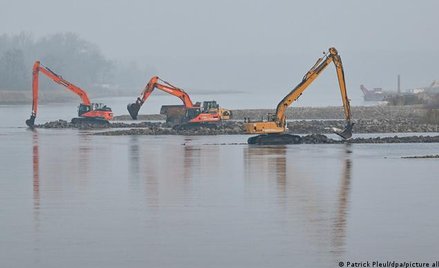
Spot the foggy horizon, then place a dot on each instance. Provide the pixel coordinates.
(209, 46)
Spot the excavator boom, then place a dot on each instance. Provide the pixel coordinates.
(86, 108)
(276, 124)
(133, 108)
(209, 112)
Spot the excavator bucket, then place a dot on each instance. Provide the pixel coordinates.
(31, 121)
(133, 109)
(345, 133)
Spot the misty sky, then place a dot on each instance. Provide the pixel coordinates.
(260, 46)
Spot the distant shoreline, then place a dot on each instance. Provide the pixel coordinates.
(19, 97)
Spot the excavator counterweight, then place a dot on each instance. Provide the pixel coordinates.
(273, 130)
(96, 113)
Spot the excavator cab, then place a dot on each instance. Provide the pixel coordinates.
(271, 117)
(191, 113)
(95, 112)
(98, 107)
(210, 107)
(82, 109)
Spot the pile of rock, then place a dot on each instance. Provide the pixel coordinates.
(229, 128)
(65, 124)
(396, 139)
(362, 126)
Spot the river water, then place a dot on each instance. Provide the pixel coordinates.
(71, 199)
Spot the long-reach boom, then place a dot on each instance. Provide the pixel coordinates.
(91, 111)
(133, 108)
(276, 123)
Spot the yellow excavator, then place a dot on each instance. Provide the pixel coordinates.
(273, 130)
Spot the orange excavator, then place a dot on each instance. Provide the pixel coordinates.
(97, 113)
(208, 112)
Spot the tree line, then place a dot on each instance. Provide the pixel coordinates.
(76, 59)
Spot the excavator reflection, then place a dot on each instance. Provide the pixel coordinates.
(296, 190)
(343, 202)
(36, 171)
(49, 170)
(273, 130)
(156, 178)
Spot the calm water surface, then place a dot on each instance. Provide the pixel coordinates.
(70, 199)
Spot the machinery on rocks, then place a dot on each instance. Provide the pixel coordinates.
(273, 129)
(207, 112)
(94, 113)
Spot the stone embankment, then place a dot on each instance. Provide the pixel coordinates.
(237, 127)
(307, 122)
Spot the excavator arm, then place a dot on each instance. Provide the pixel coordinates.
(85, 101)
(277, 123)
(133, 108)
(309, 77)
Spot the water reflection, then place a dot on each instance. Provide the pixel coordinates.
(300, 194)
(36, 180)
(134, 161)
(167, 171)
(36, 170)
(83, 158)
(269, 160)
(191, 156)
(64, 167)
(343, 200)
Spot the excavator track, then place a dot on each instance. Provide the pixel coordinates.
(275, 139)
